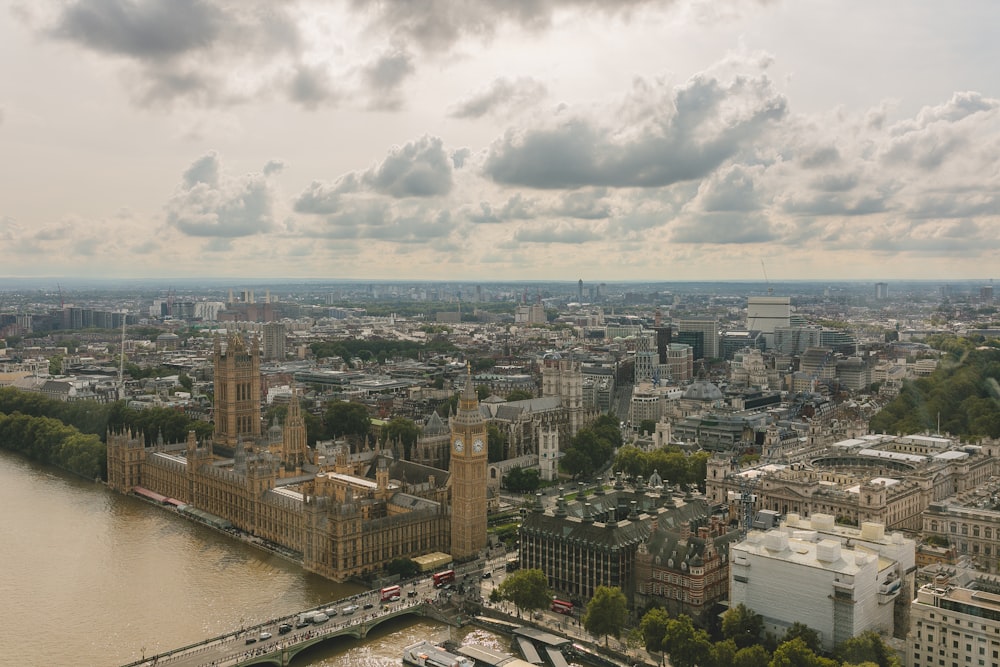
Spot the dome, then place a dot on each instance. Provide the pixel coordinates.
(703, 390)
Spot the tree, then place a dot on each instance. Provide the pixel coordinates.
(647, 426)
(526, 589)
(751, 656)
(519, 395)
(631, 460)
(796, 654)
(686, 646)
(522, 481)
(742, 625)
(803, 632)
(404, 567)
(867, 647)
(402, 430)
(346, 419)
(607, 612)
(653, 628)
(482, 392)
(184, 380)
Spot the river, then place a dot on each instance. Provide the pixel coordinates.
(91, 577)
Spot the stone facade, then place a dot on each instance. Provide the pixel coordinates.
(883, 479)
(338, 520)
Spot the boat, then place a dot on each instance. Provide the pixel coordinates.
(426, 654)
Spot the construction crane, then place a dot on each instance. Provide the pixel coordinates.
(770, 290)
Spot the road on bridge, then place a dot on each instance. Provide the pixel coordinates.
(239, 646)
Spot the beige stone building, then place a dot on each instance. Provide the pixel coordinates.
(346, 519)
(883, 479)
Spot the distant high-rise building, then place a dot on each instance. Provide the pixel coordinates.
(579, 290)
(706, 341)
(881, 291)
(766, 313)
(986, 293)
(274, 341)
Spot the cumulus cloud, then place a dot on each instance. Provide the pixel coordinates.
(205, 52)
(436, 25)
(380, 220)
(517, 207)
(662, 136)
(501, 98)
(560, 233)
(384, 76)
(312, 86)
(210, 204)
(420, 168)
(144, 30)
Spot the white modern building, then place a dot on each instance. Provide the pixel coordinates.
(838, 589)
(954, 627)
(767, 313)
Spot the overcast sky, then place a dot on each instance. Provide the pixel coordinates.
(500, 139)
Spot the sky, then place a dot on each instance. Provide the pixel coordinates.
(494, 140)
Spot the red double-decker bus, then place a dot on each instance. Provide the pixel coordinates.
(443, 577)
(562, 607)
(390, 593)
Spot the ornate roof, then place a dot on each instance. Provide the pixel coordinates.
(703, 390)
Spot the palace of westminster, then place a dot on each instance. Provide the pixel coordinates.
(345, 517)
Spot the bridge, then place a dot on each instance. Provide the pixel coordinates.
(266, 644)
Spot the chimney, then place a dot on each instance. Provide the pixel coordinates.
(685, 531)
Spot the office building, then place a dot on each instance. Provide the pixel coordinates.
(702, 334)
(838, 589)
(767, 313)
(953, 626)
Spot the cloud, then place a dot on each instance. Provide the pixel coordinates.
(209, 204)
(144, 29)
(273, 167)
(458, 157)
(384, 76)
(502, 97)
(661, 136)
(723, 228)
(589, 204)
(312, 86)
(437, 25)
(517, 207)
(560, 233)
(378, 220)
(206, 53)
(420, 168)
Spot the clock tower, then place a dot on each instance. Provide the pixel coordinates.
(468, 476)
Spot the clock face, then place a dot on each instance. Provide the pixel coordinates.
(477, 445)
(459, 445)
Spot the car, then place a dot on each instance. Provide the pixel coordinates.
(349, 609)
(330, 611)
(368, 605)
(264, 636)
(411, 594)
(394, 598)
(251, 640)
(284, 628)
(487, 575)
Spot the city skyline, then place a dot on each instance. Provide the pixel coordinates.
(489, 141)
